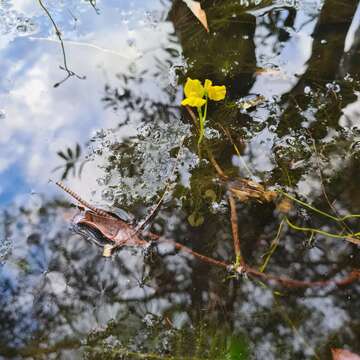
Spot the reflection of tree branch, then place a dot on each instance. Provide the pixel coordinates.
(70, 73)
(93, 4)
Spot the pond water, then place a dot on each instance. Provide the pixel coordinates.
(281, 155)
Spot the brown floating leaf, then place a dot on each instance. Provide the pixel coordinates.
(341, 354)
(284, 206)
(200, 14)
(113, 229)
(245, 190)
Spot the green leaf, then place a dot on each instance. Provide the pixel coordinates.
(62, 155)
(238, 349)
(195, 219)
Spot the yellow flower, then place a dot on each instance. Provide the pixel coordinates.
(215, 93)
(194, 93)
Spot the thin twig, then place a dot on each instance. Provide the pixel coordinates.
(70, 73)
(227, 133)
(235, 230)
(273, 247)
(193, 117)
(216, 165)
(281, 280)
(317, 157)
(347, 237)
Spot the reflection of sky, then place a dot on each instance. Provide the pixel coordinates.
(289, 58)
(40, 120)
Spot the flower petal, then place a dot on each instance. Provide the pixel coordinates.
(193, 88)
(193, 101)
(207, 85)
(217, 93)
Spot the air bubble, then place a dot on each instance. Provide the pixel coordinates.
(307, 90)
(348, 77)
(107, 195)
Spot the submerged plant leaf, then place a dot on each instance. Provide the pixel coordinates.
(341, 354)
(200, 14)
(195, 219)
(210, 194)
(238, 349)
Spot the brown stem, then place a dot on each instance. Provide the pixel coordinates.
(280, 280)
(193, 117)
(216, 165)
(235, 230)
(353, 276)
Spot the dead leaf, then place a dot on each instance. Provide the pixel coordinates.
(245, 190)
(200, 14)
(341, 354)
(284, 206)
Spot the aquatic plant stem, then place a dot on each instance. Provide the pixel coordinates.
(347, 237)
(246, 269)
(205, 110)
(235, 231)
(201, 122)
(307, 205)
(227, 133)
(283, 313)
(273, 247)
(343, 223)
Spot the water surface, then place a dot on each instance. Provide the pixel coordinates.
(112, 133)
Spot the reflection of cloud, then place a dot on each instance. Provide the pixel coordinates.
(351, 35)
(351, 112)
(39, 119)
(28, 7)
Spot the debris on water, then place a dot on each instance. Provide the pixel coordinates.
(246, 190)
(271, 71)
(333, 87)
(250, 101)
(348, 78)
